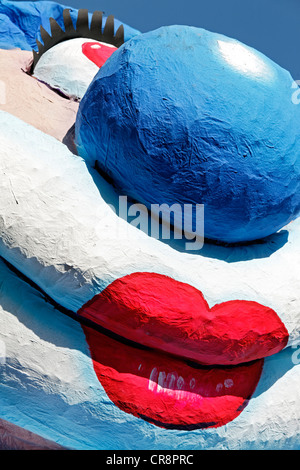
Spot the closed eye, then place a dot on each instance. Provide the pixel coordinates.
(70, 66)
(69, 58)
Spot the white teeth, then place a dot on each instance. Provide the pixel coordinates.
(170, 384)
(161, 382)
(180, 383)
(171, 380)
(192, 383)
(154, 374)
(166, 384)
(153, 380)
(228, 383)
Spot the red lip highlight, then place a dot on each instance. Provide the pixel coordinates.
(97, 53)
(165, 390)
(162, 313)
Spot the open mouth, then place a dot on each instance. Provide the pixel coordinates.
(196, 367)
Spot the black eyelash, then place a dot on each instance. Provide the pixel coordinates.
(82, 30)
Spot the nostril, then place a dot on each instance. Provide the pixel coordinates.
(97, 53)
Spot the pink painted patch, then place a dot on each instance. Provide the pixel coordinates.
(97, 53)
(164, 314)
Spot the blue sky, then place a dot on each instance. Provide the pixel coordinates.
(271, 26)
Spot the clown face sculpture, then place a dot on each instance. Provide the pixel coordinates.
(114, 338)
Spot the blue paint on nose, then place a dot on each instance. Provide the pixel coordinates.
(183, 115)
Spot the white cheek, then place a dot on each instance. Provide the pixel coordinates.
(64, 67)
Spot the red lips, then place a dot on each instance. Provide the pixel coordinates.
(175, 321)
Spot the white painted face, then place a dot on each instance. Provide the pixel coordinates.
(66, 68)
(58, 227)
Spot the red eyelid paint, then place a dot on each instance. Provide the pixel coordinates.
(97, 52)
(164, 314)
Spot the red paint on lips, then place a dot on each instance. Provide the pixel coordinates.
(162, 313)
